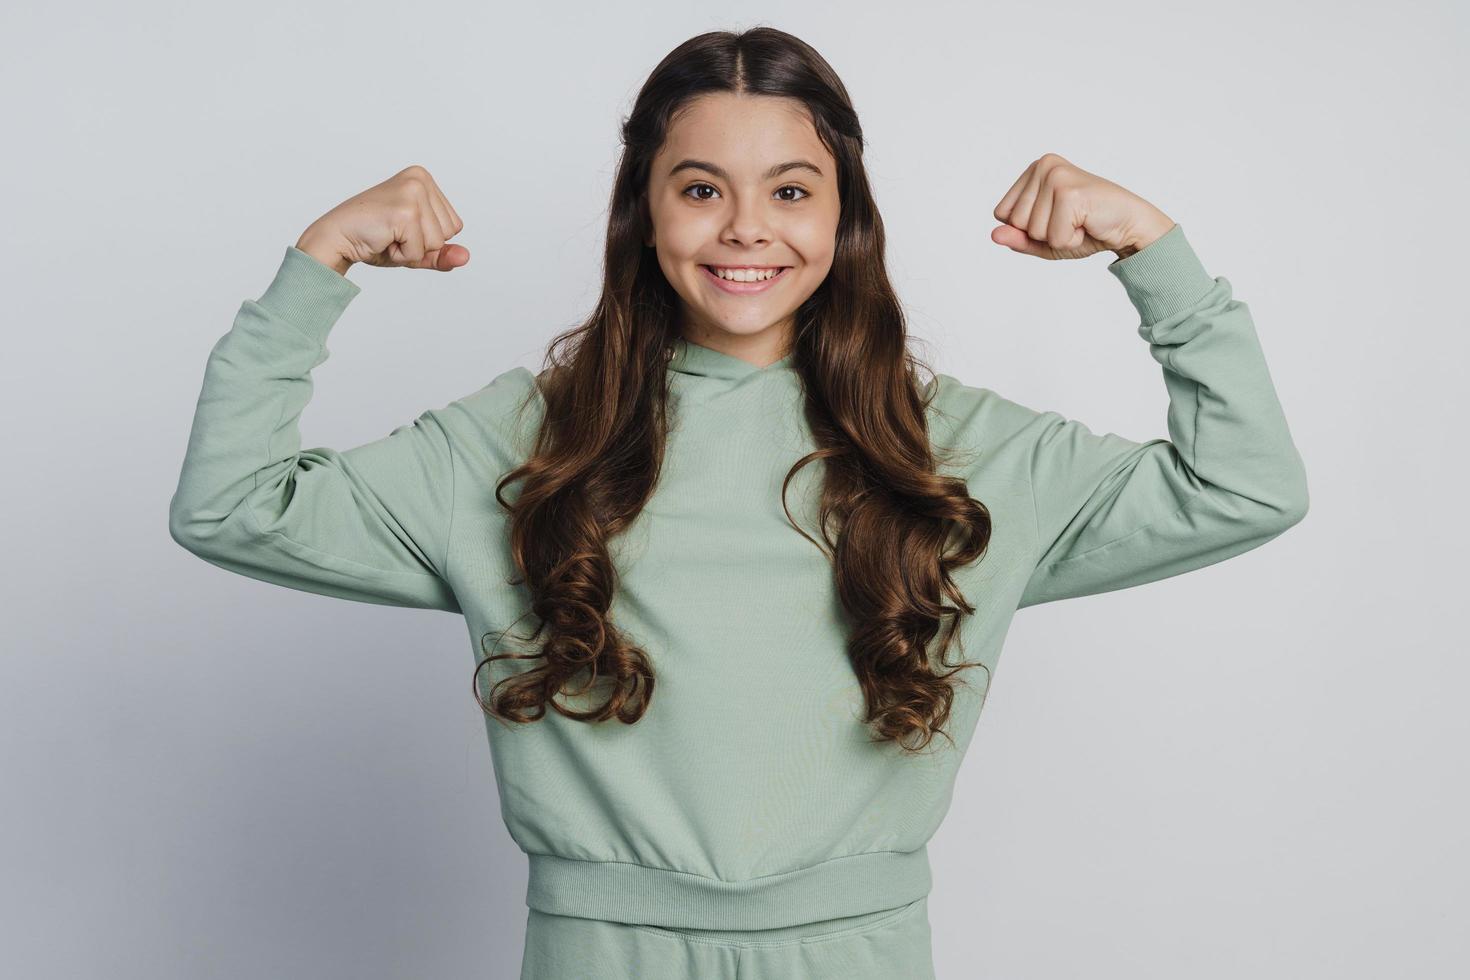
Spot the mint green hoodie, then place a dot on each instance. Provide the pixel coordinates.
(749, 796)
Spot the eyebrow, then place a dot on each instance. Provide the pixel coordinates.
(719, 172)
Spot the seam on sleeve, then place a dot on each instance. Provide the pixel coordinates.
(1195, 386)
(1035, 511)
(270, 437)
(1195, 498)
(453, 501)
(255, 523)
(1194, 436)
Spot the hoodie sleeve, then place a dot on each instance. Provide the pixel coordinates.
(370, 524)
(1112, 512)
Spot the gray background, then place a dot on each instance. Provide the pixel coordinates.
(1256, 769)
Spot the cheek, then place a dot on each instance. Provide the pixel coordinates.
(815, 241)
(682, 236)
(818, 254)
(676, 250)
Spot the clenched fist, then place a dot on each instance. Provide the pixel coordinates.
(405, 222)
(1057, 210)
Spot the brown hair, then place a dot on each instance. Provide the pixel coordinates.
(600, 444)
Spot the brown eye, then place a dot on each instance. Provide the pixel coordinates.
(788, 200)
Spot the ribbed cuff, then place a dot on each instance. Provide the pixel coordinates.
(1164, 277)
(308, 294)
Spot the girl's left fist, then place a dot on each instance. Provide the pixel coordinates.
(1057, 210)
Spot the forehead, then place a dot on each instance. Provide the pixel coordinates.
(742, 133)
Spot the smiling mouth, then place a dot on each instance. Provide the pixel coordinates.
(750, 285)
(747, 268)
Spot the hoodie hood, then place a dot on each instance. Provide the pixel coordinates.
(697, 360)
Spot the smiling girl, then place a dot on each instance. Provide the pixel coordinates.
(757, 551)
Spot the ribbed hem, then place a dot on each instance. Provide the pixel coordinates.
(308, 294)
(1164, 277)
(626, 892)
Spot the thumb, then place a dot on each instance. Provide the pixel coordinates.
(446, 258)
(1017, 240)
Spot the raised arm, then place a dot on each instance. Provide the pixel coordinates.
(1113, 512)
(370, 524)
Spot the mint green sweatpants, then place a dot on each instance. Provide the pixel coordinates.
(890, 944)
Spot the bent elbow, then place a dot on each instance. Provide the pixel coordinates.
(1295, 501)
(1297, 511)
(186, 527)
(178, 529)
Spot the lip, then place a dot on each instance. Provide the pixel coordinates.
(743, 288)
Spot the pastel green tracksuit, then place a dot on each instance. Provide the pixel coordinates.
(749, 800)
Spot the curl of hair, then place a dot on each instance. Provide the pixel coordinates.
(892, 526)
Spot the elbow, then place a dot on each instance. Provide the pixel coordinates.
(1293, 514)
(185, 526)
(179, 529)
(1295, 501)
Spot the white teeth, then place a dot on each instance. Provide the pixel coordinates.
(744, 275)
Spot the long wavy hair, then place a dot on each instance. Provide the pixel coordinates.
(600, 444)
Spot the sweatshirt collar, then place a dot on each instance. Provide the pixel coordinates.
(691, 358)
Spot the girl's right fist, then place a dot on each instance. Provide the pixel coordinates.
(403, 222)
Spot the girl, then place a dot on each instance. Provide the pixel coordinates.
(743, 533)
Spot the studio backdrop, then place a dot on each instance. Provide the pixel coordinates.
(1253, 769)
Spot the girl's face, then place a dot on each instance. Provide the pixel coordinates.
(743, 183)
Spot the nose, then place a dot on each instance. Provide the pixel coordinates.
(749, 224)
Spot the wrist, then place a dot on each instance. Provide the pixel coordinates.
(1147, 233)
(324, 253)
